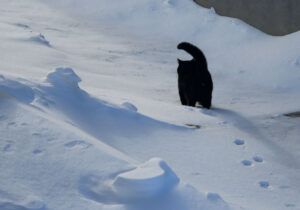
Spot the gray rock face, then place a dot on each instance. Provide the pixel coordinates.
(275, 17)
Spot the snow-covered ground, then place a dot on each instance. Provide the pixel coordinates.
(90, 116)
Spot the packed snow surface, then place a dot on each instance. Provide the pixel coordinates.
(89, 100)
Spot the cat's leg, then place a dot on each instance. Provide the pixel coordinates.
(182, 98)
(192, 102)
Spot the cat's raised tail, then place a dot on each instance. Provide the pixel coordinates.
(193, 50)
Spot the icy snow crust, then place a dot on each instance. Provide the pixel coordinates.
(84, 136)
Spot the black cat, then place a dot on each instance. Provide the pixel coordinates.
(194, 80)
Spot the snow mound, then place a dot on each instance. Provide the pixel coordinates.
(150, 185)
(15, 89)
(65, 77)
(61, 94)
(40, 39)
(151, 179)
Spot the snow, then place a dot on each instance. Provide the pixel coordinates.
(129, 106)
(152, 179)
(63, 78)
(12, 88)
(88, 99)
(40, 39)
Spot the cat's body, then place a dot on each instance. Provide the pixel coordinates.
(194, 80)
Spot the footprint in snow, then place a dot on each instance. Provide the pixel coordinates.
(258, 159)
(214, 197)
(11, 123)
(208, 112)
(264, 184)
(247, 162)
(50, 139)
(239, 142)
(36, 134)
(37, 152)
(196, 173)
(79, 144)
(21, 25)
(290, 205)
(193, 126)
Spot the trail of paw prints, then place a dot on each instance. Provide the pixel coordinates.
(251, 162)
(255, 158)
(37, 38)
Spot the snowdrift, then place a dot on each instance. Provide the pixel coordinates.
(61, 95)
(53, 156)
